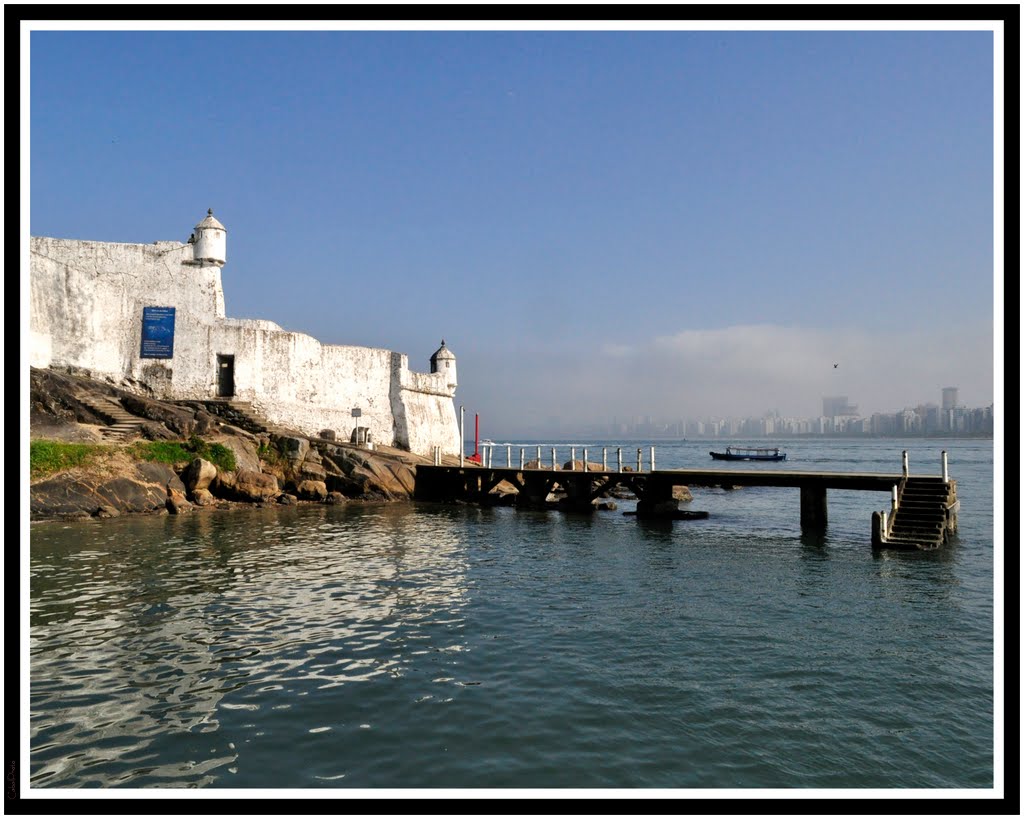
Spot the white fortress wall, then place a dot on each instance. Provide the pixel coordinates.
(87, 301)
(431, 421)
(296, 381)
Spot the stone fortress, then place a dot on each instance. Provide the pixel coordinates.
(150, 318)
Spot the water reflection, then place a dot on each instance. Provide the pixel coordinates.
(165, 626)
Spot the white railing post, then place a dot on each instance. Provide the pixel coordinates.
(585, 468)
(945, 468)
(553, 461)
(538, 456)
(885, 523)
(906, 464)
(572, 457)
(604, 458)
(508, 456)
(652, 459)
(619, 453)
(895, 498)
(522, 457)
(639, 459)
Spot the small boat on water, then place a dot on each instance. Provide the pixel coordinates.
(740, 453)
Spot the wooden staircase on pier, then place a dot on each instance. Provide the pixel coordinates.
(925, 516)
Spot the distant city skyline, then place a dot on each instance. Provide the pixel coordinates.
(694, 222)
(925, 417)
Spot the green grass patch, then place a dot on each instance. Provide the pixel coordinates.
(179, 453)
(48, 457)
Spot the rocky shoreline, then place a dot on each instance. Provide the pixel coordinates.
(271, 465)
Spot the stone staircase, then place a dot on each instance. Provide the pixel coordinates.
(237, 413)
(121, 424)
(925, 517)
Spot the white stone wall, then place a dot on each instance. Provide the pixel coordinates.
(87, 300)
(86, 312)
(431, 421)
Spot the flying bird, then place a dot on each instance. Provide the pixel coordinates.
(835, 366)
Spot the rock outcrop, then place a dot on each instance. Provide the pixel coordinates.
(145, 487)
(245, 485)
(198, 475)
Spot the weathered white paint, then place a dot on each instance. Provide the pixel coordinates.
(86, 315)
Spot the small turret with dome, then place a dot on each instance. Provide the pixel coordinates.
(209, 241)
(443, 361)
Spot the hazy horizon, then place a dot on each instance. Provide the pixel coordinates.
(600, 224)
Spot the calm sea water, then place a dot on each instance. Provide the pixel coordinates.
(425, 646)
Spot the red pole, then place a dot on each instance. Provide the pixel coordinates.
(475, 457)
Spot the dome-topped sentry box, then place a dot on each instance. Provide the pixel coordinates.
(443, 361)
(210, 245)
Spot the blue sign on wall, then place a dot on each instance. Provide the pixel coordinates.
(157, 332)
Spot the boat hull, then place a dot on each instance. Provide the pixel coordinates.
(731, 456)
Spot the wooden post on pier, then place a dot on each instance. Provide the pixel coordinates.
(877, 529)
(813, 508)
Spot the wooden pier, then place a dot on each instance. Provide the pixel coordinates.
(935, 518)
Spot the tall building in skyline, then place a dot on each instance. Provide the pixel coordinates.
(950, 397)
(832, 406)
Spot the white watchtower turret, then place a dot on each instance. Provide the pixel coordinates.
(209, 241)
(443, 361)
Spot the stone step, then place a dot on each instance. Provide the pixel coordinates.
(120, 424)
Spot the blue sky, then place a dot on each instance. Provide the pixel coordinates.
(604, 223)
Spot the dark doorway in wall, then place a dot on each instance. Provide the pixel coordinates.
(225, 376)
